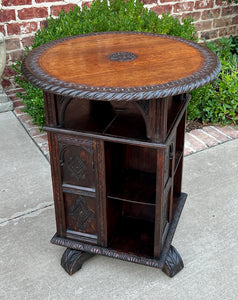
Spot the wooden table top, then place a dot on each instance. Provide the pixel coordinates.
(120, 66)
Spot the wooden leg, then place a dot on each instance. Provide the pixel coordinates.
(72, 260)
(173, 263)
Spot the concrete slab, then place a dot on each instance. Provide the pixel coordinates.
(24, 171)
(206, 238)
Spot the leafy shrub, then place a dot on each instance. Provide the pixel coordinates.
(115, 15)
(217, 102)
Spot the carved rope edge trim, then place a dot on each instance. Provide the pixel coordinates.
(33, 73)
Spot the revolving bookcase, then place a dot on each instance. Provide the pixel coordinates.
(115, 117)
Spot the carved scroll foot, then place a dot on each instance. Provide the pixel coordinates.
(72, 260)
(173, 263)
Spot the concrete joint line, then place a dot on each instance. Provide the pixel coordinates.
(27, 213)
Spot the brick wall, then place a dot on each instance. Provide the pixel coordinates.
(20, 19)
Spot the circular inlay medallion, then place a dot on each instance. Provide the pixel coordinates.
(122, 56)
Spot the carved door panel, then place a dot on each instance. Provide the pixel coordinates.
(81, 217)
(77, 162)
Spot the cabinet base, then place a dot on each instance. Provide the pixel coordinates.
(169, 261)
(72, 260)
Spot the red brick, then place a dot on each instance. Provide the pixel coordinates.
(35, 132)
(8, 72)
(6, 83)
(27, 41)
(13, 29)
(7, 15)
(221, 3)
(205, 138)
(17, 55)
(163, 1)
(160, 9)
(55, 10)
(43, 23)
(143, 1)
(222, 22)
(211, 14)
(231, 10)
(32, 13)
(41, 138)
(235, 20)
(185, 6)
(194, 15)
(220, 137)
(28, 27)
(201, 4)
(12, 93)
(208, 35)
(88, 4)
(18, 111)
(45, 149)
(192, 143)
(25, 118)
(7, 58)
(187, 151)
(16, 2)
(203, 25)
(12, 44)
(21, 28)
(231, 30)
(41, 1)
(2, 29)
(13, 97)
(17, 103)
(232, 132)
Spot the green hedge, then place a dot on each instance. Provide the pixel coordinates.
(217, 102)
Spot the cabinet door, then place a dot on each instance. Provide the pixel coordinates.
(81, 216)
(78, 185)
(77, 162)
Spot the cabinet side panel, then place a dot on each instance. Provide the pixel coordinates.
(56, 183)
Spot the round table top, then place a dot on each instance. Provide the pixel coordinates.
(120, 66)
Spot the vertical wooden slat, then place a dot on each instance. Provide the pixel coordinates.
(50, 109)
(159, 202)
(56, 184)
(180, 146)
(172, 156)
(101, 192)
(161, 120)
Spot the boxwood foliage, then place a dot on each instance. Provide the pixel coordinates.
(217, 102)
(112, 15)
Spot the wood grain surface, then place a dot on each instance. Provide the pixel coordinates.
(84, 60)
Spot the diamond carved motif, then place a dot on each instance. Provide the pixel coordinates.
(79, 211)
(77, 167)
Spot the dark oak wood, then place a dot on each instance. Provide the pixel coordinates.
(72, 260)
(173, 263)
(115, 117)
